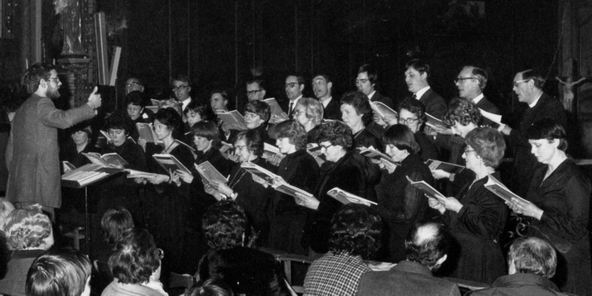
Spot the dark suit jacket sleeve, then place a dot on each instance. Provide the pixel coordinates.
(51, 116)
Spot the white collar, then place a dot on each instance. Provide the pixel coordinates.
(531, 105)
(186, 102)
(326, 101)
(420, 92)
(478, 99)
(371, 94)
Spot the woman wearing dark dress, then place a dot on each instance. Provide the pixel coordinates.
(399, 203)
(341, 170)
(78, 143)
(478, 217)
(357, 114)
(309, 113)
(170, 203)
(558, 206)
(136, 111)
(297, 168)
(412, 114)
(241, 187)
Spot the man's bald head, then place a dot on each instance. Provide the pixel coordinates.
(428, 244)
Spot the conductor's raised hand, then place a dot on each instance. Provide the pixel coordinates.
(94, 99)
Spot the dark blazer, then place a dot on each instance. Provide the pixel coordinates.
(131, 152)
(428, 148)
(215, 157)
(434, 103)
(488, 106)
(406, 278)
(69, 153)
(333, 111)
(520, 284)
(385, 100)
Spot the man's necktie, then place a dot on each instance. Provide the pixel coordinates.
(290, 109)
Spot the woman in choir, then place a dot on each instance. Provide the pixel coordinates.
(241, 187)
(78, 143)
(206, 138)
(558, 206)
(119, 127)
(412, 114)
(399, 203)
(257, 114)
(477, 217)
(309, 113)
(357, 114)
(297, 168)
(343, 171)
(195, 112)
(136, 111)
(219, 100)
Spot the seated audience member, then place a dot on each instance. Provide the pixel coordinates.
(246, 270)
(531, 265)
(55, 274)
(357, 114)
(28, 235)
(297, 168)
(355, 236)
(219, 100)
(212, 287)
(136, 266)
(426, 248)
(412, 114)
(80, 141)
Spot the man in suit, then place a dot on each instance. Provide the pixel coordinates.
(322, 87)
(471, 81)
(426, 247)
(181, 87)
(294, 86)
(531, 263)
(256, 89)
(366, 83)
(417, 74)
(32, 151)
(133, 84)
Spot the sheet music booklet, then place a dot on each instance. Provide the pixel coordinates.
(345, 197)
(427, 189)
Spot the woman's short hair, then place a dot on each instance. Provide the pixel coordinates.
(114, 223)
(224, 225)
(84, 126)
(548, 129)
(533, 255)
(313, 109)
(292, 130)
(355, 230)
(206, 129)
(119, 120)
(337, 133)
(361, 104)
(488, 143)
(58, 274)
(253, 141)
(135, 98)
(204, 111)
(136, 257)
(462, 111)
(414, 106)
(401, 137)
(28, 229)
(172, 120)
(260, 108)
(212, 287)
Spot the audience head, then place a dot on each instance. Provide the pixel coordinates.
(532, 255)
(412, 114)
(355, 109)
(321, 86)
(290, 136)
(212, 287)
(528, 85)
(335, 138)
(355, 230)
(136, 257)
(471, 81)
(308, 112)
(219, 99)
(256, 89)
(195, 112)
(114, 223)
(257, 113)
(119, 127)
(133, 84)
(463, 116)
(399, 142)
(249, 145)
(224, 225)
(488, 144)
(59, 274)
(205, 135)
(168, 122)
(135, 104)
(28, 229)
(366, 79)
(6, 208)
(43, 77)
(546, 137)
(428, 244)
(417, 73)
(181, 87)
(294, 86)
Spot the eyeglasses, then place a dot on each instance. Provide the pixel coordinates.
(250, 115)
(362, 80)
(325, 146)
(517, 82)
(408, 120)
(252, 92)
(159, 253)
(131, 83)
(240, 147)
(175, 88)
(291, 84)
(467, 151)
(459, 79)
